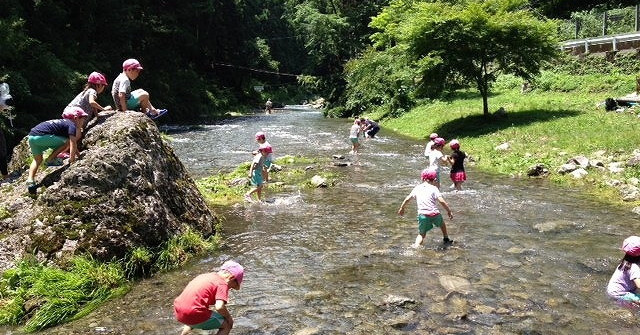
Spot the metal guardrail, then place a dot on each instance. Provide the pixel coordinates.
(614, 40)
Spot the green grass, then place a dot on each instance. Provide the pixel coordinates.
(224, 189)
(39, 296)
(558, 120)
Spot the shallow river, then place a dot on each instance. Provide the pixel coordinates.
(338, 260)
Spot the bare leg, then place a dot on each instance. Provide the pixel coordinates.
(56, 152)
(259, 193)
(443, 228)
(458, 185)
(419, 240)
(145, 102)
(33, 169)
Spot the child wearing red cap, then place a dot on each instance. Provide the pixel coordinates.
(87, 99)
(202, 303)
(625, 281)
(456, 159)
(427, 198)
(261, 138)
(125, 99)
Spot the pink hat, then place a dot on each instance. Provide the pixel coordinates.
(266, 148)
(433, 136)
(438, 141)
(631, 246)
(73, 113)
(97, 78)
(235, 269)
(454, 144)
(260, 135)
(130, 64)
(429, 174)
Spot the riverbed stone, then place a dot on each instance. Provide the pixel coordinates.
(127, 190)
(557, 226)
(629, 192)
(455, 284)
(318, 181)
(579, 173)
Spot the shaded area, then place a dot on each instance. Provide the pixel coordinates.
(478, 125)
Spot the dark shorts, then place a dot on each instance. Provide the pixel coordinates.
(426, 223)
(373, 131)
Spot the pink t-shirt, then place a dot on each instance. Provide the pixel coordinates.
(426, 196)
(192, 305)
(622, 283)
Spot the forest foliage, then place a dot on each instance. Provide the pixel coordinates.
(203, 59)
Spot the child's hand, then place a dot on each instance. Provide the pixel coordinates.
(401, 211)
(108, 108)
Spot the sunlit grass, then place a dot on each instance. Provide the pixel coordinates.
(543, 126)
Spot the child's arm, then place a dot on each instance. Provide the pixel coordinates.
(253, 167)
(404, 203)
(221, 307)
(123, 102)
(96, 105)
(446, 207)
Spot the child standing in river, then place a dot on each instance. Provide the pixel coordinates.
(354, 134)
(436, 158)
(625, 281)
(458, 176)
(427, 198)
(261, 138)
(255, 173)
(203, 302)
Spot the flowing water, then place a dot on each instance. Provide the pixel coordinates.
(528, 258)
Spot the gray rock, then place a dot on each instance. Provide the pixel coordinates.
(318, 181)
(127, 190)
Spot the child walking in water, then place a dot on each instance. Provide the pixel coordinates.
(458, 176)
(427, 198)
(436, 158)
(261, 138)
(255, 173)
(354, 133)
(202, 303)
(625, 281)
(427, 148)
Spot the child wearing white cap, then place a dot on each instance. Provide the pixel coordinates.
(202, 303)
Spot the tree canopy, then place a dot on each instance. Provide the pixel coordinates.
(436, 46)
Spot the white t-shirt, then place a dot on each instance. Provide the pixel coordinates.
(354, 131)
(435, 158)
(427, 148)
(426, 196)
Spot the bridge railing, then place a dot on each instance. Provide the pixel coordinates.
(616, 42)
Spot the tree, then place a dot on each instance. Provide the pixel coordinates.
(564, 8)
(466, 43)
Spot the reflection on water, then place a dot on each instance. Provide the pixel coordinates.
(527, 259)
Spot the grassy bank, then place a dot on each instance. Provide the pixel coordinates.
(557, 120)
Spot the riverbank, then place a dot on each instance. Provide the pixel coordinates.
(559, 119)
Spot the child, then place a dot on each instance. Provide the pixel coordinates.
(202, 303)
(625, 281)
(427, 196)
(436, 158)
(371, 128)
(255, 172)
(427, 148)
(458, 176)
(124, 99)
(86, 100)
(59, 135)
(261, 138)
(354, 133)
(268, 106)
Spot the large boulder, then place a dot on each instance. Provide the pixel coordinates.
(128, 189)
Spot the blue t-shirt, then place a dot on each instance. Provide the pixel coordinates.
(60, 127)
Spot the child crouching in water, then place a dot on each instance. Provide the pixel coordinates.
(427, 198)
(202, 303)
(625, 281)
